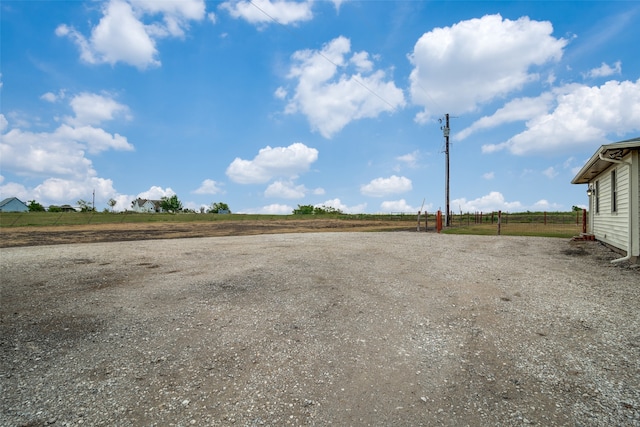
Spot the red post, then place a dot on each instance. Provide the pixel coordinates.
(499, 222)
(584, 221)
(439, 221)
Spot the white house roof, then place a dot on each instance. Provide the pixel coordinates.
(595, 166)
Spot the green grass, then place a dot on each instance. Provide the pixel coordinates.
(520, 229)
(553, 224)
(23, 219)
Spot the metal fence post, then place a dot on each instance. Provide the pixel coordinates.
(426, 221)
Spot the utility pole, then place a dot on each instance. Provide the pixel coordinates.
(445, 131)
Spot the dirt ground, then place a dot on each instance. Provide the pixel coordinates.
(92, 233)
(388, 328)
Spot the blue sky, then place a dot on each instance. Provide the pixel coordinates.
(266, 105)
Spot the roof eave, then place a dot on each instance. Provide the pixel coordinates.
(590, 171)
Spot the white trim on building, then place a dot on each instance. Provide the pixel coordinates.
(613, 179)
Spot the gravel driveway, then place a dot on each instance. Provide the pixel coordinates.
(317, 329)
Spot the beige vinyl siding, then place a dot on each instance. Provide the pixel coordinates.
(636, 203)
(613, 227)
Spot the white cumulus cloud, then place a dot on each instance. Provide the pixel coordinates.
(264, 12)
(401, 206)
(93, 109)
(582, 116)
(272, 209)
(3, 123)
(331, 95)
(410, 159)
(605, 70)
(209, 186)
(156, 193)
(545, 205)
(458, 68)
(127, 31)
(488, 175)
(380, 187)
(494, 201)
(550, 172)
(519, 109)
(61, 152)
(285, 190)
(50, 97)
(286, 162)
(337, 204)
(61, 157)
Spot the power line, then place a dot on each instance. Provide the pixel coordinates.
(426, 92)
(361, 83)
(355, 79)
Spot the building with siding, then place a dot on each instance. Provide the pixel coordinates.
(146, 205)
(613, 186)
(13, 204)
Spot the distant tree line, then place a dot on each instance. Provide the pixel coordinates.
(167, 203)
(315, 210)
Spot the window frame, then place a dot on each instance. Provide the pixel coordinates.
(614, 190)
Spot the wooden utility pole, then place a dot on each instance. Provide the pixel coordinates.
(445, 130)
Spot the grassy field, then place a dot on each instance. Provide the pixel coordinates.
(519, 229)
(31, 219)
(550, 224)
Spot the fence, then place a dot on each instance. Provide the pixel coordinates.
(551, 224)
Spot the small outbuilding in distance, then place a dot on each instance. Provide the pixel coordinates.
(13, 204)
(612, 175)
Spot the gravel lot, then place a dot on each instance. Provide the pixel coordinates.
(317, 329)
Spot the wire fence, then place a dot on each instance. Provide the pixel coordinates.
(551, 224)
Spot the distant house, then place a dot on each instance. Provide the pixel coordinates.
(613, 178)
(146, 205)
(13, 204)
(67, 208)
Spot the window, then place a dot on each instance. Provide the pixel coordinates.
(597, 207)
(614, 192)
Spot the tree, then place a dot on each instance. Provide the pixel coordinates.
(303, 210)
(112, 203)
(54, 208)
(85, 206)
(219, 206)
(35, 206)
(322, 210)
(171, 204)
(315, 210)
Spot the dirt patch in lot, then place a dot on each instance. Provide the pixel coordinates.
(92, 233)
(320, 329)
